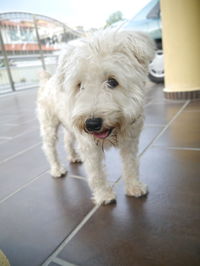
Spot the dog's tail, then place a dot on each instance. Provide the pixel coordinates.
(44, 77)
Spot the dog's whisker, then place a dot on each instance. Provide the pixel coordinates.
(102, 146)
(111, 142)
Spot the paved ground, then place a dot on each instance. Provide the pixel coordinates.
(44, 221)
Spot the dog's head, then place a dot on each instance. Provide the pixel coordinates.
(103, 78)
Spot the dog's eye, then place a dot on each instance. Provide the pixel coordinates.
(112, 83)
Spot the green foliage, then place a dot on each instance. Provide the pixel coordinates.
(114, 17)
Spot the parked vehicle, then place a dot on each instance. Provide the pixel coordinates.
(148, 20)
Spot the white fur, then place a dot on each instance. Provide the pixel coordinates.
(78, 91)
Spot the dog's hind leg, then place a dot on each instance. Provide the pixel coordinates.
(70, 139)
(49, 129)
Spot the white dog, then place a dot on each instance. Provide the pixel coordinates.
(97, 95)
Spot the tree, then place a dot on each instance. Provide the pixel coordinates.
(114, 17)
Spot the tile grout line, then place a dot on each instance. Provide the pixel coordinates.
(20, 124)
(165, 128)
(21, 111)
(53, 256)
(28, 131)
(19, 135)
(77, 177)
(19, 153)
(176, 148)
(9, 124)
(22, 187)
(63, 262)
(5, 138)
(33, 180)
(153, 125)
(71, 235)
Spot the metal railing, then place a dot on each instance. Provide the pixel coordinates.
(29, 43)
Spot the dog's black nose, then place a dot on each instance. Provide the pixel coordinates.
(93, 124)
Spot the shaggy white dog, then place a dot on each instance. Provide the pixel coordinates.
(97, 95)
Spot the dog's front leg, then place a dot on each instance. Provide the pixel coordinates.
(93, 162)
(128, 151)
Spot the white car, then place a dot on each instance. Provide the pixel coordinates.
(156, 68)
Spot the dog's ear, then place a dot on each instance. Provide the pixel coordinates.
(64, 64)
(140, 45)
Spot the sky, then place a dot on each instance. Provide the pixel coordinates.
(86, 13)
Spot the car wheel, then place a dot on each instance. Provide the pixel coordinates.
(156, 68)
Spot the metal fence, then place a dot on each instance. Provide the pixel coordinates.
(29, 43)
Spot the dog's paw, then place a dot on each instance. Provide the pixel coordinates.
(74, 159)
(104, 197)
(58, 171)
(136, 189)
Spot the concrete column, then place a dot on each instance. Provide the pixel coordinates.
(181, 43)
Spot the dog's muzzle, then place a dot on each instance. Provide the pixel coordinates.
(94, 127)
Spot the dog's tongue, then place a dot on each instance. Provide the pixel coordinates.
(101, 135)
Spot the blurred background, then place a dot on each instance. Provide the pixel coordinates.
(31, 35)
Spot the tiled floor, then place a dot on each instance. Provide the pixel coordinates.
(44, 221)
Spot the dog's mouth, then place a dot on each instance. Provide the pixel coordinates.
(103, 134)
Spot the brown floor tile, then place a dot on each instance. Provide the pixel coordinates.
(3, 140)
(161, 229)
(61, 263)
(183, 132)
(161, 114)
(36, 220)
(147, 135)
(6, 118)
(19, 101)
(17, 117)
(194, 105)
(16, 145)
(13, 131)
(113, 164)
(20, 170)
(154, 93)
